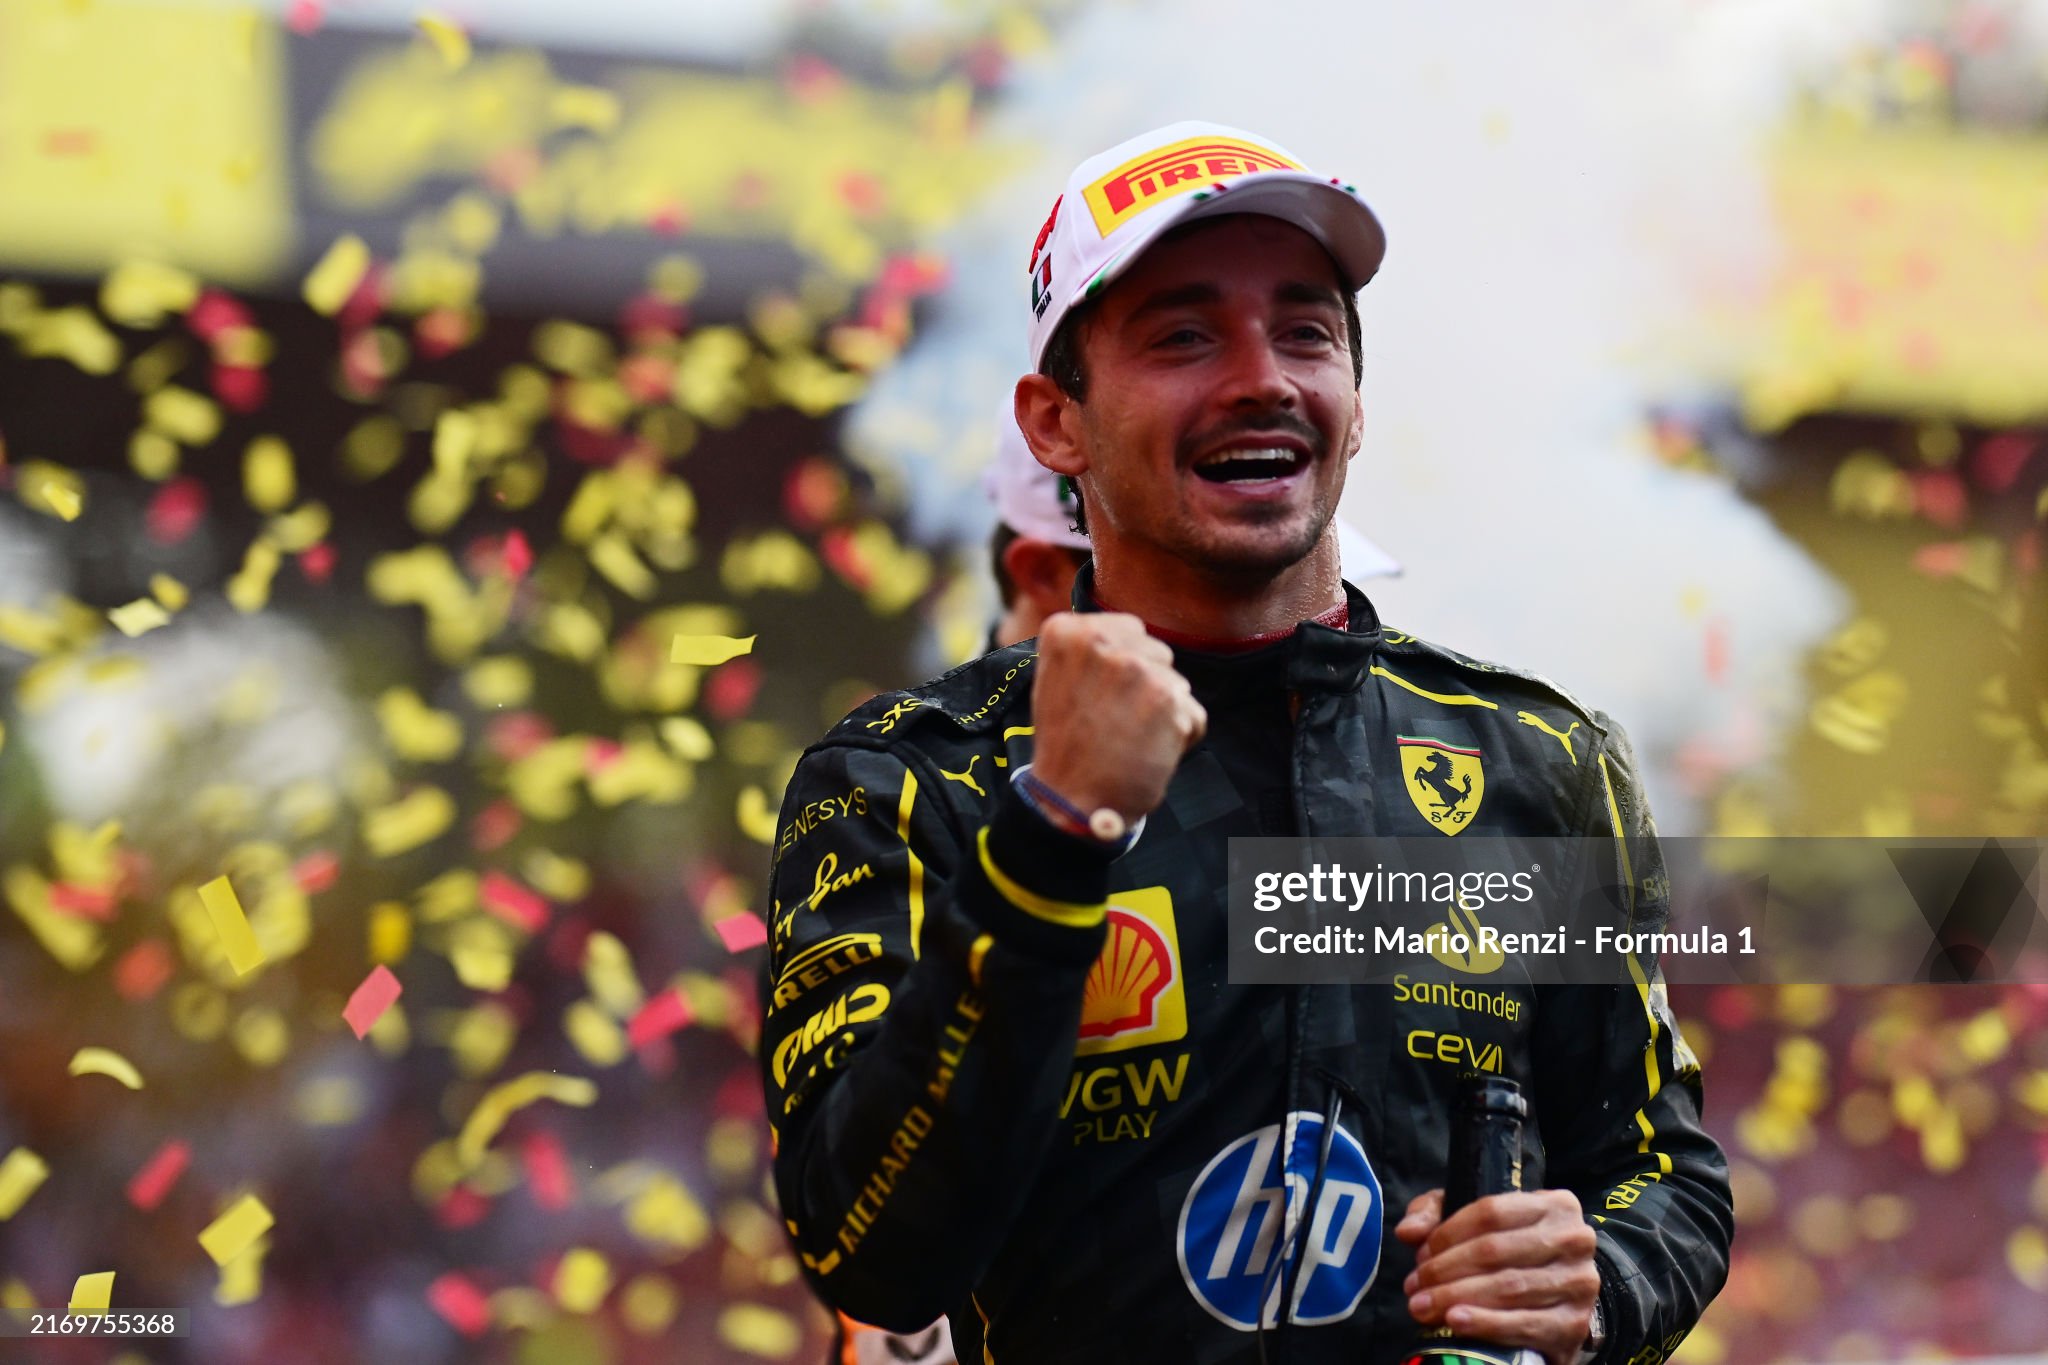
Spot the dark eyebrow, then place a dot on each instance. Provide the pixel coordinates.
(1303, 292)
(1192, 295)
(1180, 297)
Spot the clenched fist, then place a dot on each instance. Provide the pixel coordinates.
(1112, 713)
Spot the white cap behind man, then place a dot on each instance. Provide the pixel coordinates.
(1120, 202)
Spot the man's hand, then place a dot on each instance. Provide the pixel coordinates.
(1112, 713)
(1510, 1269)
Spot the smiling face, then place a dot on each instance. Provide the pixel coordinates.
(1221, 408)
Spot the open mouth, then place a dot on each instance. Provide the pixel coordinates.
(1250, 465)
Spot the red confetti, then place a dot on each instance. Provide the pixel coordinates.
(519, 906)
(1997, 464)
(495, 826)
(316, 871)
(70, 142)
(739, 1097)
(214, 313)
(1717, 650)
(148, 1186)
(518, 556)
(368, 1002)
(547, 1171)
(240, 388)
(303, 16)
(1943, 559)
(1730, 1008)
(600, 754)
(741, 932)
(316, 562)
(515, 735)
(456, 1298)
(83, 902)
(662, 1015)
(461, 1207)
(1939, 496)
(176, 511)
(730, 692)
(142, 971)
(365, 303)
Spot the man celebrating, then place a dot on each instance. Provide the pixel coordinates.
(1007, 1070)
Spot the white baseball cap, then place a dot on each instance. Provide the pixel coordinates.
(1037, 504)
(1119, 202)
(1030, 499)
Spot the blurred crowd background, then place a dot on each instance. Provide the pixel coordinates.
(386, 391)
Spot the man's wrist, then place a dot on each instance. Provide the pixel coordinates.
(1103, 826)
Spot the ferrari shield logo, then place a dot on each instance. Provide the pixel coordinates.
(1444, 781)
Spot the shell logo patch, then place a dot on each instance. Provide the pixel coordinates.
(1135, 995)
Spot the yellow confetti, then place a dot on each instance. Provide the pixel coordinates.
(182, 415)
(582, 1279)
(236, 1230)
(261, 1036)
(608, 971)
(501, 1101)
(455, 441)
(707, 650)
(584, 106)
(92, 1294)
(63, 499)
(169, 592)
(613, 556)
(331, 282)
(414, 730)
(481, 952)
(390, 932)
(140, 293)
(100, 1061)
(665, 1214)
(51, 489)
(502, 680)
(249, 590)
(231, 925)
(153, 455)
(556, 877)
(409, 822)
(138, 617)
(649, 1304)
(760, 1330)
(688, 737)
(448, 39)
(268, 480)
(595, 1035)
(755, 816)
(2026, 1251)
(20, 1175)
(241, 1279)
(482, 1037)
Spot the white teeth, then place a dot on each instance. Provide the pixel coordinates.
(1280, 456)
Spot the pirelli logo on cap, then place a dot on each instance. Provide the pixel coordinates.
(1145, 180)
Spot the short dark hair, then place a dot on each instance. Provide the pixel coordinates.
(999, 542)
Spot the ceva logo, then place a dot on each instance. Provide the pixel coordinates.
(1233, 1220)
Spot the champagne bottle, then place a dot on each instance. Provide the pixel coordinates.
(1486, 1158)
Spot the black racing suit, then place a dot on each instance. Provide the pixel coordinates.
(1000, 1063)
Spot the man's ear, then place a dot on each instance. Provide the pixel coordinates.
(1357, 422)
(1042, 572)
(1041, 409)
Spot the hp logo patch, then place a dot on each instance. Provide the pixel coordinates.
(1231, 1226)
